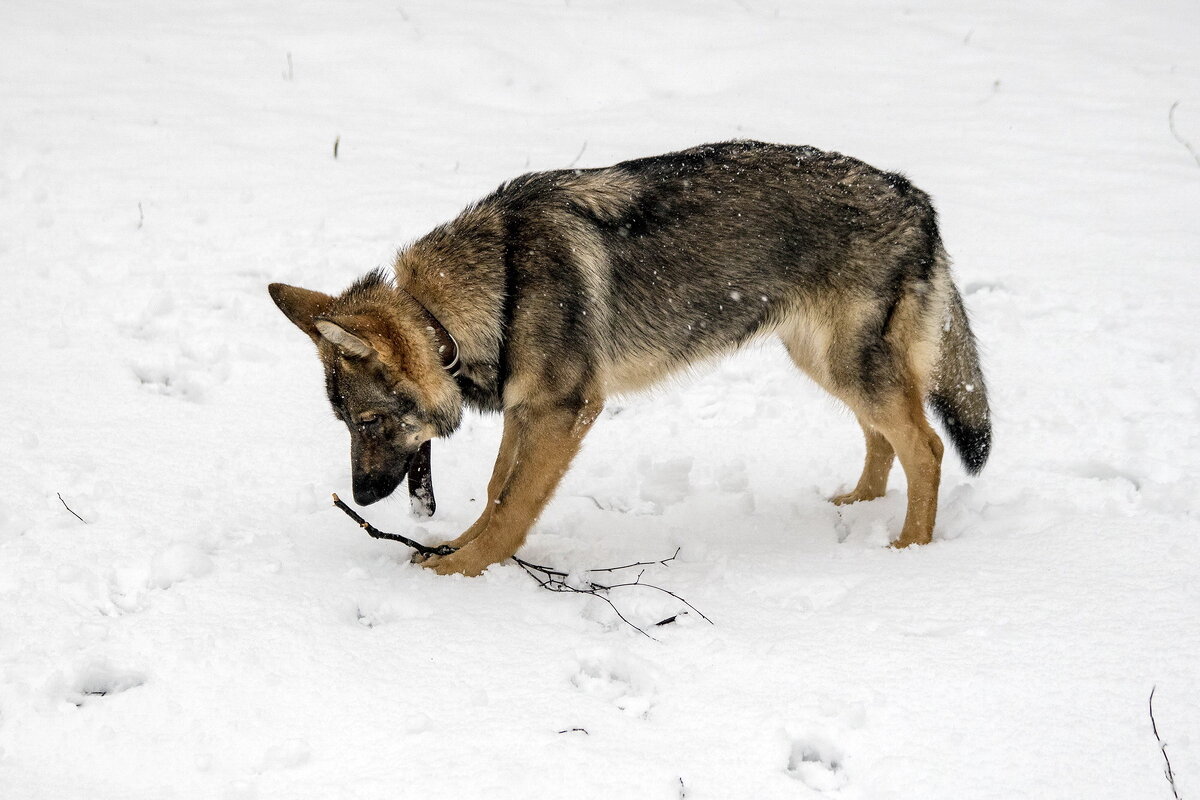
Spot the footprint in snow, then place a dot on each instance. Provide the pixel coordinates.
(986, 287)
(179, 359)
(131, 587)
(182, 371)
(100, 679)
(817, 764)
(626, 681)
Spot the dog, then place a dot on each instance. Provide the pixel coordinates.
(563, 288)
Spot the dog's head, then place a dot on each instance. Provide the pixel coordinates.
(383, 375)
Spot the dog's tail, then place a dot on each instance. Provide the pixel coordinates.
(958, 394)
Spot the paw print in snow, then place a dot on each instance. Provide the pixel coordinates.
(817, 764)
(183, 356)
(664, 483)
(100, 679)
(183, 370)
(621, 678)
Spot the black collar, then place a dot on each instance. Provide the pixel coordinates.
(447, 344)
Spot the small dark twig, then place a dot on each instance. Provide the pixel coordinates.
(336, 141)
(578, 156)
(425, 550)
(576, 730)
(549, 578)
(1168, 772)
(1175, 133)
(555, 581)
(68, 508)
(663, 562)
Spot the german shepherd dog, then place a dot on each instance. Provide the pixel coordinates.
(563, 288)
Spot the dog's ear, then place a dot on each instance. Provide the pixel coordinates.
(301, 306)
(338, 332)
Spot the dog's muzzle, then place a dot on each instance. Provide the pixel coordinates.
(372, 487)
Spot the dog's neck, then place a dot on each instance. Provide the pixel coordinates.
(447, 344)
(463, 287)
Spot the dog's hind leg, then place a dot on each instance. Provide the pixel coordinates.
(873, 481)
(902, 421)
(810, 341)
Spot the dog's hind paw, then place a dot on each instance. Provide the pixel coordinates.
(856, 496)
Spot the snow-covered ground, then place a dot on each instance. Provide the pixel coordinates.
(217, 629)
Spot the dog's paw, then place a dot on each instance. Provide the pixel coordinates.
(457, 563)
(850, 498)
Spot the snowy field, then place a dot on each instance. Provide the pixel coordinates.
(213, 628)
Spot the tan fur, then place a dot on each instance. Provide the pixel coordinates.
(873, 482)
(605, 197)
(430, 270)
(532, 461)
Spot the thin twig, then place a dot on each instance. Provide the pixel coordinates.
(593, 587)
(702, 615)
(554, 582)
(1175, 133)
(578, 155)
(1168, 772)
(68, 508)
(663, 562)
(425, 550)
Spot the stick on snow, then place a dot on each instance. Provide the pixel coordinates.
(1168, 772)
(550, 579)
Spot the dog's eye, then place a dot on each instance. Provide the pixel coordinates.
(370, 421)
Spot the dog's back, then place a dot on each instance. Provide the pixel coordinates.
(660, 262)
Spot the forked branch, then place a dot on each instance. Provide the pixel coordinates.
(549, 578)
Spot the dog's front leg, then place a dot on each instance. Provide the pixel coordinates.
(541, 443)
(504, 464)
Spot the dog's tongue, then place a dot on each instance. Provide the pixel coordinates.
(420, 482)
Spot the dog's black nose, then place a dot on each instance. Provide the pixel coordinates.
(364, 496)
(370, 489)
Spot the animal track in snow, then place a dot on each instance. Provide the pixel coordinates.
(186, 372)
(664, 483)
(984, 286)
(101, 679)
(817, 764)
(621, 678)
(179, 359)
(130, 586)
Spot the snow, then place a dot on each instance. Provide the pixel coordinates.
(215, 628)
